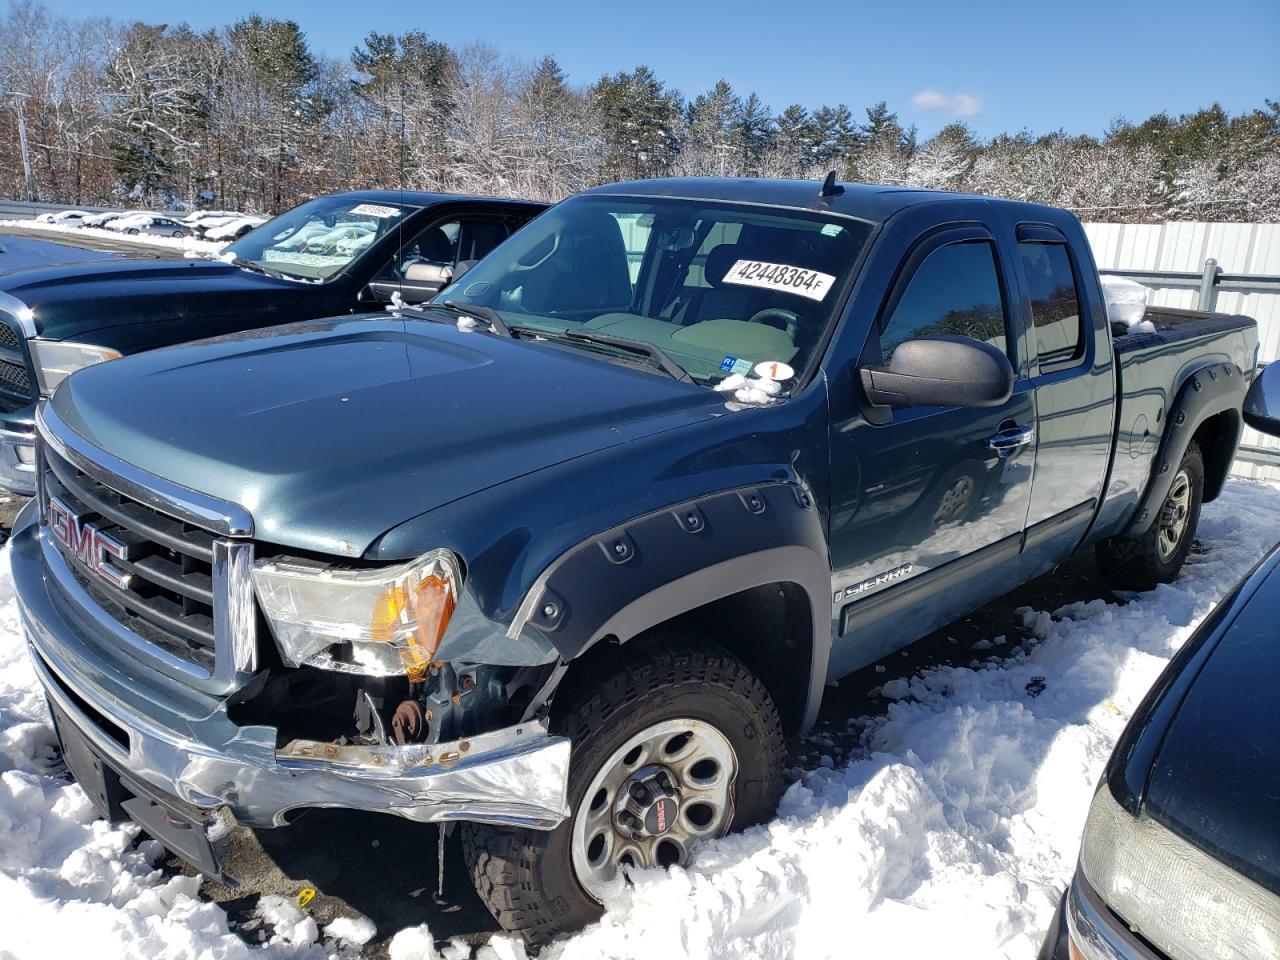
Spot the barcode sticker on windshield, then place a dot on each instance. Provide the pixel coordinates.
(778, 276)
(373, 210)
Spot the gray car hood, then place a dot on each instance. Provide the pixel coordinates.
(329, 433)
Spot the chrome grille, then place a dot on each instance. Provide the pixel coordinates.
(154, 569)
(169, 599)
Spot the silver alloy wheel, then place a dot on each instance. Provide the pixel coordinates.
(955, 501)
(664, 789)
(1173, 516)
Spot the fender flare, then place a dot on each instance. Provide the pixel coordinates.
(639, 574)
(1213, 389)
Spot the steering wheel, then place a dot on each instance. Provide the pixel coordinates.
(790, 319)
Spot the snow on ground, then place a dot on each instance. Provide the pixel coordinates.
(951, 835)
(186, 244)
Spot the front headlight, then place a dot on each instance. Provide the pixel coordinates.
(55, 360)
(379, 622)
(1177, 896)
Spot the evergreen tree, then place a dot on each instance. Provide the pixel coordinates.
(639, 121)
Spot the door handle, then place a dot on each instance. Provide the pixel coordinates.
(1006, 441)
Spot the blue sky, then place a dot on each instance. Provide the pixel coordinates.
(998, 65)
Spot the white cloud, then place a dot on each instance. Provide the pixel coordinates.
(954, 104)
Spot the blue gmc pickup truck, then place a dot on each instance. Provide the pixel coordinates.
(567, 552)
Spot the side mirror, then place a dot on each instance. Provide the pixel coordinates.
(1262, 402)
(941, 371)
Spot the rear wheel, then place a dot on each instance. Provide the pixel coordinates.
(677, 743)
(1157, 556)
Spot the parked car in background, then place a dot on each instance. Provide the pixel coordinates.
(68, 218)
(412, 245)
(122, 223)
(210, 223)
(155, 225)
(235, 228)
(101, 220)
(194, 220)
(565, 553)
(1181, 852)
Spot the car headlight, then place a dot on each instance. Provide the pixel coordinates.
(55, 360)
(382, 622)
(1177, 896)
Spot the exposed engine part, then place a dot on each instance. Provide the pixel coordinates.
(369, 726)
(409, 722)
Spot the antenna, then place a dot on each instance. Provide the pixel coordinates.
(829, 186)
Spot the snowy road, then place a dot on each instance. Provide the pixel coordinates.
(948, 832)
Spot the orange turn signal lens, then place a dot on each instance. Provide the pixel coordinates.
(414, 617)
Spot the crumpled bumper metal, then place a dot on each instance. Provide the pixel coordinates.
(182, 742)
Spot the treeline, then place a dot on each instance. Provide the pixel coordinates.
(249, 117)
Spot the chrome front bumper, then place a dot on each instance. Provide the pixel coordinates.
(181, 741)
(1098, 934)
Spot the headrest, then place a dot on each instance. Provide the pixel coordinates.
(436, 245)
(719, 260)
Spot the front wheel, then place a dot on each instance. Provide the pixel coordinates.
(1157, 556)
(676, 744)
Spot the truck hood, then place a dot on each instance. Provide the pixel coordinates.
(71, 300)
(331, 432)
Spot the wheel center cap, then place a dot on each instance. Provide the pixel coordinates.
(648, 803)
(660, 815)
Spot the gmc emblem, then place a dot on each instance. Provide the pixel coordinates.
(88, 544)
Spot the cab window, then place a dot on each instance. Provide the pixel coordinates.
(955, 291)
(1055, 302)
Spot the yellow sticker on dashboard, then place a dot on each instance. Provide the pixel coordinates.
(778, 276)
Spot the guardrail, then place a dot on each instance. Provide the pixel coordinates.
(1209, 281)
(25, 210)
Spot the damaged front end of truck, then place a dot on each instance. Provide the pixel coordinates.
(193, 669)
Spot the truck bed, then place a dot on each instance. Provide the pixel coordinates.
(1151, 367)
(1174, 325)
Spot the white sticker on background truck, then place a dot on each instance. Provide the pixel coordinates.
(374, 210)
(778, 276)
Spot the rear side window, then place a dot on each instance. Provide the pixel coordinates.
(1055, 303)
(955, 291)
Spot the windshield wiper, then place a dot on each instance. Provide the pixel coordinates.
(651, 350)
(486, 314)
(259, 268)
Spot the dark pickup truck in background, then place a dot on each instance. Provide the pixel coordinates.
(568, 555)
(332, 255)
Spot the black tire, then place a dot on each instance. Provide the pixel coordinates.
(1141, 563)
(526, 877)
(132, 231)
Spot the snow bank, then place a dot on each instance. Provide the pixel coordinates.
(1127, 302)
(186, 244)
(951, 834)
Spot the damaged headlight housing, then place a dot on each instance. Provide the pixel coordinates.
(381, 622)
(1183, 900)
(55, 360)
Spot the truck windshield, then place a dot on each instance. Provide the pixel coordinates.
(719, 287)
(316, 240)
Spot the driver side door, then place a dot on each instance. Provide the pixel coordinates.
(927, 502)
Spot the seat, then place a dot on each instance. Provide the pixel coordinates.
(587, 274)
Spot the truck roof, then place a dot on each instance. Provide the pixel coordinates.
(866, 201)
(423, 198)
